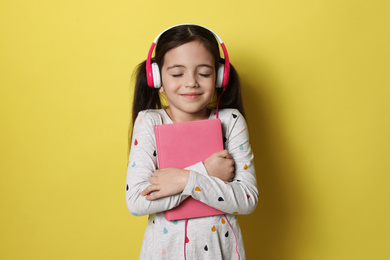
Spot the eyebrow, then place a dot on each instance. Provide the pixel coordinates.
(182, 66)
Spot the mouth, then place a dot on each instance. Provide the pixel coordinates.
(191, 95)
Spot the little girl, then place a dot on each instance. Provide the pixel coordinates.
(188, 70)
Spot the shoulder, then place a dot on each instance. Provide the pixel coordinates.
(233, 123)
(147, 119)
(231, 116)
(150, 116)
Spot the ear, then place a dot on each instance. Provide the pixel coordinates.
(161, 89)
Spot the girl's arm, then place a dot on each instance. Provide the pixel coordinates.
(142, 165)
(239, 196)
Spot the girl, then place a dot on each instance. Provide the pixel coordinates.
(187, 68)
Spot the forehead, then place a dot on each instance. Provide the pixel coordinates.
(190, 53)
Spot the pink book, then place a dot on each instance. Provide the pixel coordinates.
(184, 144)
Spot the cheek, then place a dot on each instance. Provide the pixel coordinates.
(165, 76)
(167, 82)
(211, 83)
(207, 82)
(164, 79)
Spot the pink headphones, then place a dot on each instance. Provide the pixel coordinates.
(153, 71)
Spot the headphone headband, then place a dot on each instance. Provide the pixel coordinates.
(152, 71)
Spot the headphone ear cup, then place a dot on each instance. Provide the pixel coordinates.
(220, 75)
(156, 75)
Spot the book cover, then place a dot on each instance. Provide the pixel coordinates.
(180, 145)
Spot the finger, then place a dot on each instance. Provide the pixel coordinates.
(232, 177)
(153, 196)
(232, 161)
(222, 153)
(155, 173)
(153, 180)
(149, 189)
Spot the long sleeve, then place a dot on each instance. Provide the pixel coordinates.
(237, 197)
(213, 237)
(142, 164)
(241, 195)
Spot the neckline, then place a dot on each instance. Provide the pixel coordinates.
(170, 121)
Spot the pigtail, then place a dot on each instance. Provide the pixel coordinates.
(231, 98)
(145, 97)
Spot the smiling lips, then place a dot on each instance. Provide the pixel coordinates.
(190, 95)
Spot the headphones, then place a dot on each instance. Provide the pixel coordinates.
(153, 71)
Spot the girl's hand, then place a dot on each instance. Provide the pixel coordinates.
(166, 182)
(220, 165)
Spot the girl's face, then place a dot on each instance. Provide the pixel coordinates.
(188, 80)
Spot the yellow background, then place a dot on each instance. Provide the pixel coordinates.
(316, 89)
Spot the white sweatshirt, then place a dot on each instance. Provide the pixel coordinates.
(214, 237)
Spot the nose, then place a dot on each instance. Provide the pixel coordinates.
(191, 82)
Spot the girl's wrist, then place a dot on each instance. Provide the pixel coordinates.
(185, 175)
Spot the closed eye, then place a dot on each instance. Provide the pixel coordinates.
(177, 75)
(205, 75)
